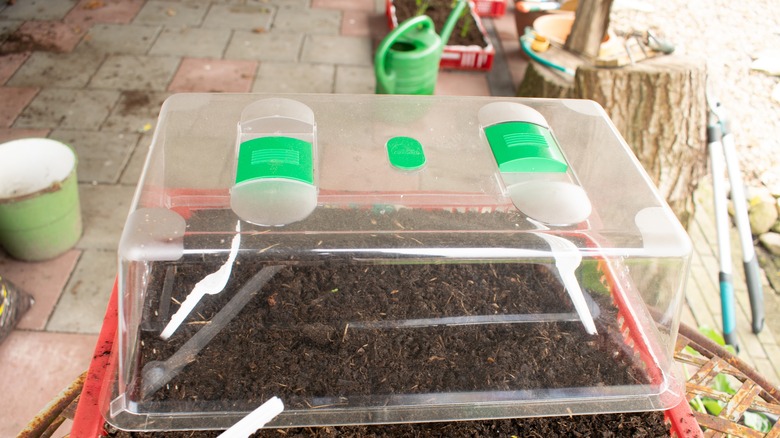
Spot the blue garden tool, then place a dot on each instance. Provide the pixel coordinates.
(721, 149)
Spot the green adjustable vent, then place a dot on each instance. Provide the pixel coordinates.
(275, 157)
(524, 147)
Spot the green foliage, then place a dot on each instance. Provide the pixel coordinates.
(422, 7)
(591, 278)
(757, 421)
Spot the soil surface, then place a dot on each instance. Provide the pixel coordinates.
(642, 424)
(466, 32)
(321, 332)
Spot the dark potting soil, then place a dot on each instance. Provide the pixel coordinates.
(466, 32)
(640, 424)
(326, 331)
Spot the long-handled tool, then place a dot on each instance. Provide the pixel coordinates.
(750, 262)
(715, 152)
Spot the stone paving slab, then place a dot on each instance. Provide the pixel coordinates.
(355, 79)
(10, 63)
(172, 13)
(213, 76)
(89, 12)
(14, 101)
(113, 39)
(68, 109)
(130, 72)
(274, 46)
(188, 41)
(292, 77)
(7, 27)
(134, 168)
(337, 49)
(83, 303)
(101, 155)
(351, 5)
(55, 36)
(247, 17)
(457, 83)
(136, 111)
(356, 23)
(7, 134)
(68, 70)
(289, 4)
(307, 21)
(104, 210)
(45, 281)
(38, 10)
(34, 368)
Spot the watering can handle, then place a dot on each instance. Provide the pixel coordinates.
(381, 51)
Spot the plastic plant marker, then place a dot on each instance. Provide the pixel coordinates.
(567, 260)
(255, 420)
(158, 373)
(212, 284)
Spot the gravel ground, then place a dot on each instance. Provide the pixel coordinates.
(730, 35)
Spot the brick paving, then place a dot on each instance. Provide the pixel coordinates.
(94, 73)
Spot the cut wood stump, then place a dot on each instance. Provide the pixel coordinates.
(658, 105)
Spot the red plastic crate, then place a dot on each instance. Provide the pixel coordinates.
(490, 8)
(458, 57)
(89, 423)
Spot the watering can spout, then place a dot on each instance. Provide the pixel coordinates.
(452, 19)
(407, 59)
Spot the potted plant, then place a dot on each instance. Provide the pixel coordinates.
(469, 47)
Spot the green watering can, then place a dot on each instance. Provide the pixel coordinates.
(407, 60)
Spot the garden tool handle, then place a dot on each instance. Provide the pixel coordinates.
(381, 52)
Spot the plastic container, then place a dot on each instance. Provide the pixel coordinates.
(467, 258)
(490, 8)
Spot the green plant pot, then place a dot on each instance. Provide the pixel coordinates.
(40, 217)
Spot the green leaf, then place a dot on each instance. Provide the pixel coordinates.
(712, 334)
(690, 350)
(757, 421)
(697, 405)
(713, 406)
(716, 337)
(721, 383)
(591, 278)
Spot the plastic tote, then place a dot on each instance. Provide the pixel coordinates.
(39, 200)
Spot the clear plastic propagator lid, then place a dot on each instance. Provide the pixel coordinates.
(381, 259)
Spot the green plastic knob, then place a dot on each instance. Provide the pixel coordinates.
(405, 153)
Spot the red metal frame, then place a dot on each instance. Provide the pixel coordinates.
(88, 422)
(457, 57)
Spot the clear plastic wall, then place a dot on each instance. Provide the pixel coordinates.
(379, 259)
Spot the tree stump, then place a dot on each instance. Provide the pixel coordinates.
(544, 82)
(659, 106)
